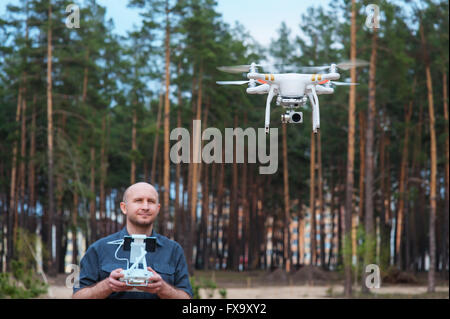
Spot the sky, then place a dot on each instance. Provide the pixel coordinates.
(262, 18)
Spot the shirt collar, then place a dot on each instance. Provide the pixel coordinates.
(124, 232)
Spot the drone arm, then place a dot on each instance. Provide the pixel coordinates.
(262, 76)
(269, 100)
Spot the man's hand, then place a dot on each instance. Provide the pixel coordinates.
(155, 285)
(164, 291)
(103, 288)
(113, 281)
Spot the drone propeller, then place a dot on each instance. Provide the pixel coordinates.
(343, 83)
(232, 82)
(237, 68)
(345, 65)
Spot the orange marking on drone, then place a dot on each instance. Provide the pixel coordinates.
(262, 81)
(324, 81)
(267, 77)
(319, 77)
(272, 78)
(313, 77)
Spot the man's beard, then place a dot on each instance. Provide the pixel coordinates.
(134, 220)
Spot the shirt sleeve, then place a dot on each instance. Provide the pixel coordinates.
(181, 272)
(89, 270)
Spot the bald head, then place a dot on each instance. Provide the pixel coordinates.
(139, 187)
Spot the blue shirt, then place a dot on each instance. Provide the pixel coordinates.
(167, 260)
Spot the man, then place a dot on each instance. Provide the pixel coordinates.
(100, 270)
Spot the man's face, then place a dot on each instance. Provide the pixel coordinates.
(142, 205)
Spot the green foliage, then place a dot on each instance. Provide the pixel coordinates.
(195, 288)
(22, 283)
(223, 293)
(330, 291)
(209, 285)
(365, 252)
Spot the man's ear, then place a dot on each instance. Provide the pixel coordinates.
(123, 208)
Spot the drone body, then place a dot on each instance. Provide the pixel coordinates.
(292, 89)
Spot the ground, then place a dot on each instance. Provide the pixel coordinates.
(307, 283)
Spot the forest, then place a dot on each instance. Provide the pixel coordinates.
(85, 112)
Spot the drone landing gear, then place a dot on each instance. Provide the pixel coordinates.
(315, 108)
(269, 100)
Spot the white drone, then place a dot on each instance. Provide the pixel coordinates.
(293, 89)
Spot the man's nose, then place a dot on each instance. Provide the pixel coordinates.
(145, 204)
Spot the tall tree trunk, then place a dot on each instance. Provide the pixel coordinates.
(4, 215)
(359, 218)
(85, 79)
(350, 160)
(320, 198)
(262, 230)
(178, 228)
(233, 225)
(332, 217)
(287, 217)
(402, 188)
(219, 198)
(341, 217)
(12, 216)
(251, 220)
(205, 204)
(388, 187)
(190, 172)
(445, 236)
(433, 169)
(155, 144)
(196, 156)
(370, 240)
(385, 246)
(24, 217)
(77, 186)
(362, 162)
(59, 200)
(23, 144)
(49, 225)
(92, 206)
(103, 167)
(247, 181)
(31, 167)
(312, 198)
(133, 148)
(204, 219)
(145, 168)
(166, 181)
(76, 203)
(419, 206)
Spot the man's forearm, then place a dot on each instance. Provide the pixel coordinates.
(100, 290)
(170, 292)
